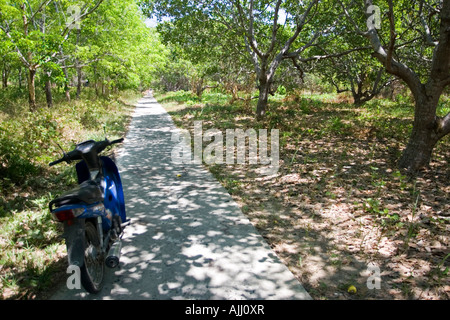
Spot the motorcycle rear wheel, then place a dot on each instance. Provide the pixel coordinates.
(92, 271)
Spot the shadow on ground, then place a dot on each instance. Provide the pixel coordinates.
(188, 238)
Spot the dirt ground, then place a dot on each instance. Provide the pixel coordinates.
(330, 244)
(328, 221)
(338, 212)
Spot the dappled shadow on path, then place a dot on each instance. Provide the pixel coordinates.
(188, 238)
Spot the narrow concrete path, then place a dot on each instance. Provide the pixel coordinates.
(188, 238)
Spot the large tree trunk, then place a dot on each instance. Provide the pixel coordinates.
(31, 89)
(428, 129)
(418, 152)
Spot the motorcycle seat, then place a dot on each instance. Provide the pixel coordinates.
(88, 192)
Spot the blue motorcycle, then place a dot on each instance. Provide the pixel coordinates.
(93, 214)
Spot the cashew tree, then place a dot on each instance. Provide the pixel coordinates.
(267, 32)
(412, 41)
(37, 29)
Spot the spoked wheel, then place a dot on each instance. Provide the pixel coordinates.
(93, 269)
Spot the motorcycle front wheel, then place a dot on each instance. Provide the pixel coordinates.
(92, 271)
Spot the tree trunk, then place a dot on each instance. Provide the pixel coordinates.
(66, 85)
(78, 68)
(357, 100)
(197, 85)
(20, 77)
(417, 153)
(79, 78)
(31, 89)
(95, 80)
(261, 107)
(428, 129)
(67, 92)
(48, 93)
(5, 75)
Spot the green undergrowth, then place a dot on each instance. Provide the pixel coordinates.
(31, 249)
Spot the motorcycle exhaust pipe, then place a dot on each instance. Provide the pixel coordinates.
(112, 260)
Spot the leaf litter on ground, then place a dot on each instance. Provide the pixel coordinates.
(338, 201)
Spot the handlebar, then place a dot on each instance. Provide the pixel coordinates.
(117, 141)
(85, 148)
(51, 164)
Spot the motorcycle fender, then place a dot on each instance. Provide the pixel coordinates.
(74, 236)
(111, 171)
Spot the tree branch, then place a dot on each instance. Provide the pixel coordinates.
(274, 27)
(41, 6)
(355, 25)
(248, 31)
(440, 69)
(327, 56)
(67, 30)
(392, 37)
(297, 66)
(21, 56)
(394, 67)
(443, 125)
(428, 38)
(251, 31)
(282, 54)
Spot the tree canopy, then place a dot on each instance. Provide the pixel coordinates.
(360, 47)
(237, 44)
(104, 40)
